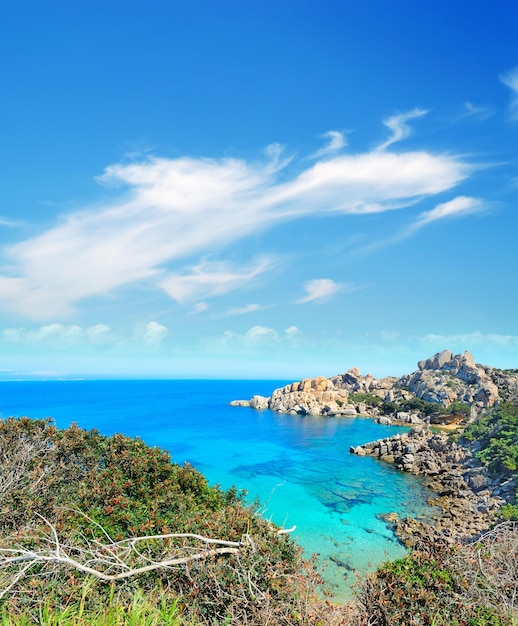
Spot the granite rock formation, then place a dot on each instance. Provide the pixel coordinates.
(467, 498)
(445, 380)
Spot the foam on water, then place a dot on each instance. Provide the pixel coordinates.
(299, 467)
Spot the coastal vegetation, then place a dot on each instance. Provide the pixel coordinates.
(494, 438)
(496, 435)
(444, 584)
(415, 405)
(106, 527)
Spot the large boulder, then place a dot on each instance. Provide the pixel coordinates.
(436, 361)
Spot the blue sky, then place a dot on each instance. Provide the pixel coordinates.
(275, 190)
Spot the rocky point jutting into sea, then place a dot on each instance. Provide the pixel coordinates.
(446, 390)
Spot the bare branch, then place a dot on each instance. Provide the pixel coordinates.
(121, 556)
(134, 540)
(34, 558)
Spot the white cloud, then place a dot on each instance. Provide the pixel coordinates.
(260, 334)
(260, 339)
(170, 211)
(155, 333)
(336, 141)
(472, 339)
(211, 279)
(57, 334)
(4, 221)
(399, 127)
(510, 79)
(97, 332)
(248, 308)
(256, 336)
(477, 111)
(292, 332)
(199, 307)
(460, 206)
(320, 290)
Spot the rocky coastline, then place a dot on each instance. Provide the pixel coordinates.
(466, 497)
(446, 390)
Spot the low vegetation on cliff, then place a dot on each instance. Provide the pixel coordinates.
(444, 584)
(494, 439)
(104, 526)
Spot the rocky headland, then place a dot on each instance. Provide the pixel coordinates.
(446, 390)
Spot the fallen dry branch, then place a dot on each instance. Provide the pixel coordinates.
(114, 560)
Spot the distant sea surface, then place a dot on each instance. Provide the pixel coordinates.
(299, 467)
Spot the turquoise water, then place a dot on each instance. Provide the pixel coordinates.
(299, 467)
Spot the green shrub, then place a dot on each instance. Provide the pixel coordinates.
(430, 587)
(367, 398)
(95, 491)
(497, 436)
(389, 408)
(422, 406)
(508, 512)
(459, 408)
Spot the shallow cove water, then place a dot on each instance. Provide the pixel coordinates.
(299, 467)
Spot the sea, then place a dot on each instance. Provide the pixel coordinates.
(297, 470)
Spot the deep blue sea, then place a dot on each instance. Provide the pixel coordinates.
(299, 467)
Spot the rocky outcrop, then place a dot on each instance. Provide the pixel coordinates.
(315, 396)
(445, 379)
(467, 498)
(354, 382)
(311, 396)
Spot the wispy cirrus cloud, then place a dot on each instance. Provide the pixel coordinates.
(4, 221)
(478, 112)
(210, 279)
(510, 79)
(57, 334)
(472, 339)
(247, 308)
(260, 336)
(399, 127)
(452, 209)
(199, 307)
(320, 290)
(336, 141)
(458, 207)
(165, 212)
